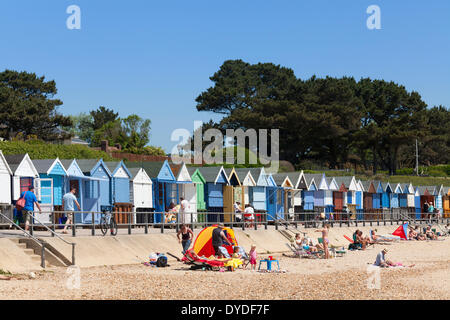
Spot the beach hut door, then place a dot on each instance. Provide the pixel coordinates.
(228, 203)
(44, 194)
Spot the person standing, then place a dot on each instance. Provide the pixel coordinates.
(430, 211)
(69, 202)
(325, 240)
(237, 211)
(425, 209)
(249, 215)
(186, 237)
(28, 209)
(219, 238)
(184, 209)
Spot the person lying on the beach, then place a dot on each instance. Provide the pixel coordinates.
(377, 238)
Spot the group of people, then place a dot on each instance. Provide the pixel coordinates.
(248, 211)
(177, 212)
(69, 202)
(421, 235)
(219, 239)
(431, 210)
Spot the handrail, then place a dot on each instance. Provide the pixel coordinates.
(59, 237)
(41, 242)
(53, 232)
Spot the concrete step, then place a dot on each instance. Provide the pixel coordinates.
(22, 245)
(30, 252)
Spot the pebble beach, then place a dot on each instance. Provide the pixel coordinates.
(339, 278)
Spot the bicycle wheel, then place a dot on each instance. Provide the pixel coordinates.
(113, 227)
(103, 225)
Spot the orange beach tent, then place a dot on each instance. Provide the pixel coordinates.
(203, 242)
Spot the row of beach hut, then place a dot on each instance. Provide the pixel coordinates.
(154, 186)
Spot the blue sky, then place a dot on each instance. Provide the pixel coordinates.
(153, 58)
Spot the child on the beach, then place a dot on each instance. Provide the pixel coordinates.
(252, 255)
(236, 254)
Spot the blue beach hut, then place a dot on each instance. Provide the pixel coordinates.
(386, 195)
(165, 187)
(120, 181)
(216, 179)
(257, 196)
(376, 204)
(52, 176)
(88, 191)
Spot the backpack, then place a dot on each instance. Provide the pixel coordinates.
(20, 204)
(161, 262)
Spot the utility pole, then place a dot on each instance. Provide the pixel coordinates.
(417, 158)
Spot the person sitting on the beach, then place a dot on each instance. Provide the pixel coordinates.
(298, 240)
(381, 261)
(430, 234)
(412, 235)
(236, 254)
(360, 239)
(420, 236)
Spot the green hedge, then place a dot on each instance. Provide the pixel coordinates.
(42, 150)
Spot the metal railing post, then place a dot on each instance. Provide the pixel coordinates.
(73, 254)
(74, 231)
(53, 224)
(265, 222)
(43, 255)
(146, 222)
(163, 218)
(31, 223)
(129, 222)
(93, 224)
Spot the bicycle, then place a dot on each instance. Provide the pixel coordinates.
(108, 222)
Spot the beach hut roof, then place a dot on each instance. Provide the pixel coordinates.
(181, 172)
(245, 176)
(366, 185)
(134, 172)
(2, 157)
(432, 190)
(295, 178)
(230, 172)
(46, 166)
(331, 184)
(398, 188)
(345, 180)
(14, 162)
(152, 168)
(282, 180)
(313, 178)
(422, 190)
(86, 165)
(211, 174)
(387, 187)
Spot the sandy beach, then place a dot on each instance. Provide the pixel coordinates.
(338, 278)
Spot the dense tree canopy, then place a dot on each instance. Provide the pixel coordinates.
(333, 122)
(28, 107)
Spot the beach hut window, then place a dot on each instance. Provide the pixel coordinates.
(25, 184)
(46, 191)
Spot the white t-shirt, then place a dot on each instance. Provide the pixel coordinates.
(249, 210)
(184, 206)
(237, 211)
